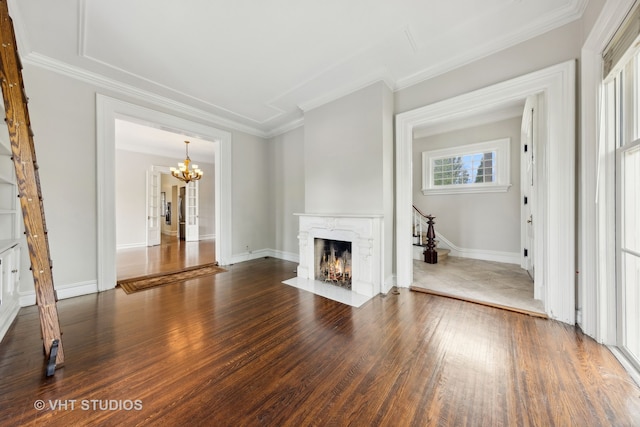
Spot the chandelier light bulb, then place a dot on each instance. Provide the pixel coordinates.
(183, 172)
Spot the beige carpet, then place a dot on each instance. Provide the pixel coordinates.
(136, 284)
(490, 283)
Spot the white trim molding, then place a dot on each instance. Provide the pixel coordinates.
(481, 254)
(70, 290)
(555, 230)
(263, 253)
(596, 263)
(8, 314)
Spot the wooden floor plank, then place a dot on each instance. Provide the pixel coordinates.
(241, 348)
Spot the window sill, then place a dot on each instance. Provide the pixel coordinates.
(467, 189)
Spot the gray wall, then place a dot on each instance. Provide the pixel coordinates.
(484, 221)
(252, 215)
(348, 158)
(287, 188)
(343, 151)
(63, 116)
(549, 49)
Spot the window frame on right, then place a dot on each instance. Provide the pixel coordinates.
(501, 169)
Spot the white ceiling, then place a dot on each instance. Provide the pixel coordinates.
(145, 138)
(257, 65)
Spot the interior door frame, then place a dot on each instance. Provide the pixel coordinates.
(556, 260)
(109, 109)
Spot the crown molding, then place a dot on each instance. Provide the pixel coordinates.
(294, 124)
(556, 19)
(379, 76)
(76, 73)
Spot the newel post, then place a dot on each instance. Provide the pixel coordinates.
(430, 254)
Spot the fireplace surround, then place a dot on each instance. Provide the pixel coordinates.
(365, 235)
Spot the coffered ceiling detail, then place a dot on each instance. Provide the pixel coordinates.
(257, 66)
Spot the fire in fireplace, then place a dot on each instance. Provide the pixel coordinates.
(333, 262)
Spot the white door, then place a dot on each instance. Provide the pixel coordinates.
(153, 208)
(191, 212)
(527, 184)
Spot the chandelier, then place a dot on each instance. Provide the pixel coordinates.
(183, 173)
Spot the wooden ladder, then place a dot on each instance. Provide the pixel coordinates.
(29, 192)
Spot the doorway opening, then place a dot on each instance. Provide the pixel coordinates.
(555, 229)
(484, 226)
(153, 208)
(109, 110)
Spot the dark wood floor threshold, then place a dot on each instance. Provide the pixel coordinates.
(475, 301)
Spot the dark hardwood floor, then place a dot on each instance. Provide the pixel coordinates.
(240, 348)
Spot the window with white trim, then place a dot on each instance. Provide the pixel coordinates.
(481, 167)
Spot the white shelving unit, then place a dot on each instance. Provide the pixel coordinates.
(9, 205)
(10, 233)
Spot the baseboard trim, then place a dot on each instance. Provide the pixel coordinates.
(131, 246)
(63, 292)
(481, 254)
(628, 366)
(10, 312)
(389, 283)
(261, 253)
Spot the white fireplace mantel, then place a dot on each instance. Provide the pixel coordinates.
(364, 231)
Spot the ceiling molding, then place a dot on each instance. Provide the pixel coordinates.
(82, 52)
(279, 112)
(411, 39)
(341, 78)
(473, 121)
(558, 18)
(82, 33)
(287, 127)
(76, 73)
(379, 76)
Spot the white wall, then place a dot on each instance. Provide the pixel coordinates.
(483, 221)
(287, 189)
(131, 188)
